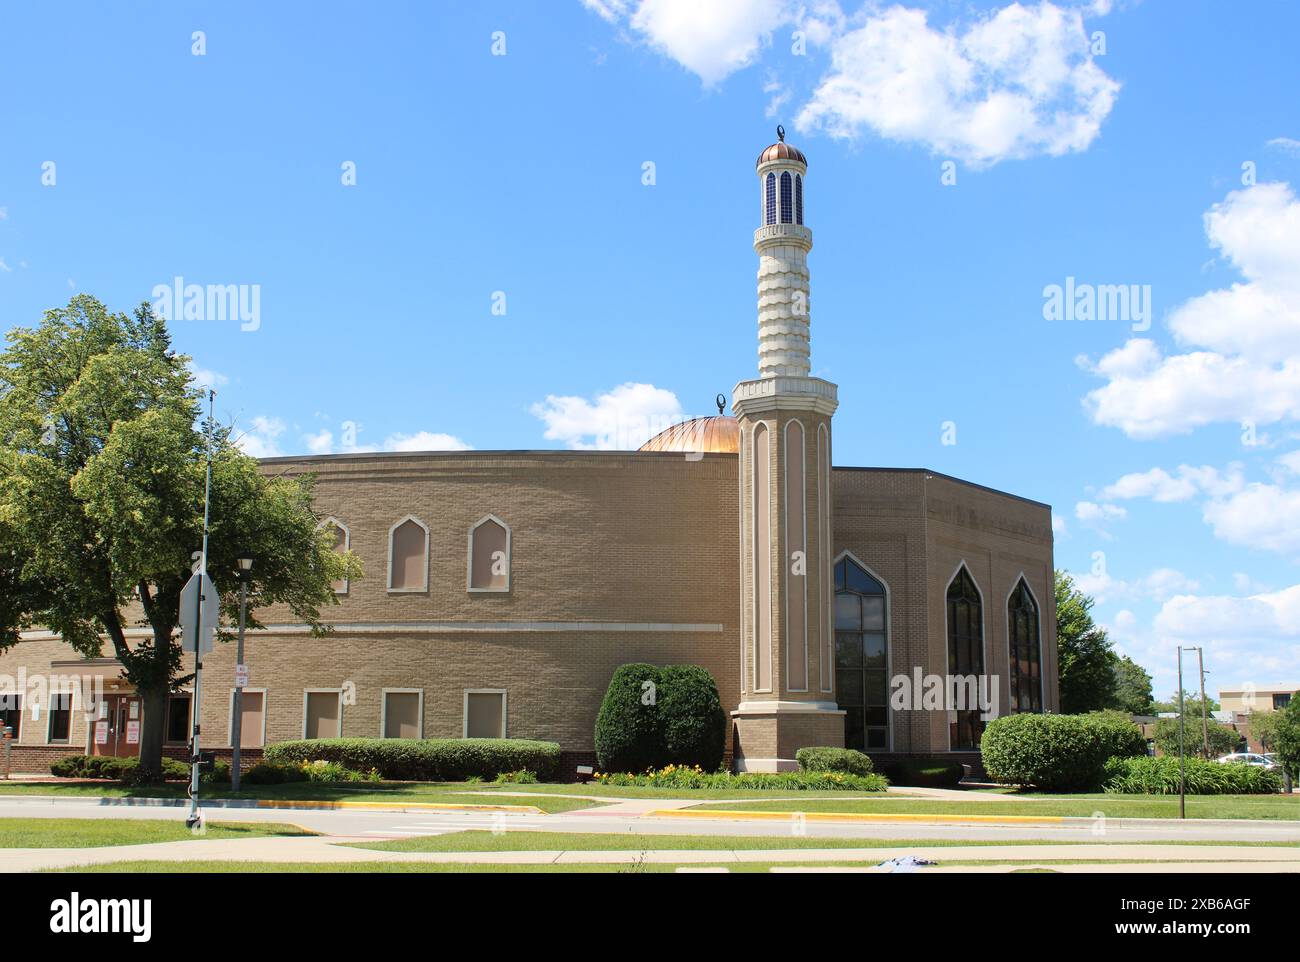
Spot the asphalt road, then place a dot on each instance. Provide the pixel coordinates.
(392, 824)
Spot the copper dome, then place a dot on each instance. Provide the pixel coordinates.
(718, 434)
(781, 151)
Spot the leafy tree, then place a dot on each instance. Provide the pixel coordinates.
(1264, 726)
(1222, 738)
(1085, 654)
(1132, 687)
(101, 502)
(1191, 704)
(1288, 738)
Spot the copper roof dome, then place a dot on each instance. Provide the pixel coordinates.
(781, 151)
(718, 434)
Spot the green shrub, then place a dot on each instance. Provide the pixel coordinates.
(1120, 738)
(275, 773)
(67, 767)
(847, 760)
(1288, 738)
(652, 717)
(683, 777)
(1054, 753)
(691, 716)
(429, 760)
(110, 767)
(627, 728)
(924, 773)
(1160, 776)
(521, 777)
(1222, 738)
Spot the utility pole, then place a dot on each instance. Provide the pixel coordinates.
(1182, 765)
(195, 817)
(1205, 716)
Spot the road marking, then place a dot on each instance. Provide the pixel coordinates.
(858, 817)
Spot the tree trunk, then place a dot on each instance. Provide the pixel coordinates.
(152, 728)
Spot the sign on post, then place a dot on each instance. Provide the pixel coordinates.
(241, 676)
(209, 612)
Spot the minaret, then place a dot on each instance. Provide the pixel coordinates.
(788, 657)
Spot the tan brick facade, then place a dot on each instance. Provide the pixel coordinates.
(615, 558)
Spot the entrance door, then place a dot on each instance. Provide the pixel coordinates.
(116, 730)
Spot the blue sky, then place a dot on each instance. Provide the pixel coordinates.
(500, 153)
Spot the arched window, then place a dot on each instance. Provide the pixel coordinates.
(1026, 652)
(762, 502)
(342, 544)
(769, 199)
(798, 199)
(489, 555)
(861, 665)
(965, 659)
(787, 197)
(408, 556)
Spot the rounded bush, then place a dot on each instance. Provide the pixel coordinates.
(627, 727)
(652, 717)
(1054, 753)
(274, 773)
(691, 716)
(426, 759)
(847, 760)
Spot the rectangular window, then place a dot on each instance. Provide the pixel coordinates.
(60, 717)
(252, 718)
(178, 719)
(1281, 701)
(402, 714)
(322, 715)
(11, 714)
(485, 714)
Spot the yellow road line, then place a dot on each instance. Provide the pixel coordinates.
(857, 817)
(400, 806)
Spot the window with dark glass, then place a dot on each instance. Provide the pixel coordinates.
(178, 719)
(1281, 701)
(861, 685)
(787, 197)
(1026, 652)
(11, 713)
(769, 188)
(798, 199)
(60, 716)
(965, 657)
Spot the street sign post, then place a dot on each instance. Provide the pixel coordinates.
(201, 607)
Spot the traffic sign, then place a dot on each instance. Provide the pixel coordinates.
(209, 612)
(241, 676)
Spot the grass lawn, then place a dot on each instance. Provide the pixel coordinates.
(1081, 806)
(97, 832)
(531, 841)
(444, 793)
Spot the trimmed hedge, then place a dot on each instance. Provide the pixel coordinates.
(1055, 753)
(652, 717)
(275, 773)
(679, 777)
(119, 769)
(847, 760)
(1159, 776)
(424, 760)
(924, 773)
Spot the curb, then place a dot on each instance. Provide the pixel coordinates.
(269, 803)
(857, 817)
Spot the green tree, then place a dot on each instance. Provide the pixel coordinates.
(101, 502)
(1132, 687)
(1222, 738)
(1085, 655)
(1288, 738)
(1264, 727)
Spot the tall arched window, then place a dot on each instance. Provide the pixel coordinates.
(489, 555)
(342, 542)
(965, 658)
(861, 643)
(769, 196)
(1026, 651)
(798, 199)
(408, 556)
(787, 197)
(762, 508)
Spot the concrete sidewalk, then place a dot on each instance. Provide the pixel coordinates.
(316, 849)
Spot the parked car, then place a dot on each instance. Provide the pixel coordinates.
(1251, 758)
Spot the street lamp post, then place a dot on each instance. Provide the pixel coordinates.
(1182, 765)
(236, 725)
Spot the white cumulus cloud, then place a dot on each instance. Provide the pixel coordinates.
(620, 419)
(425, 441)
